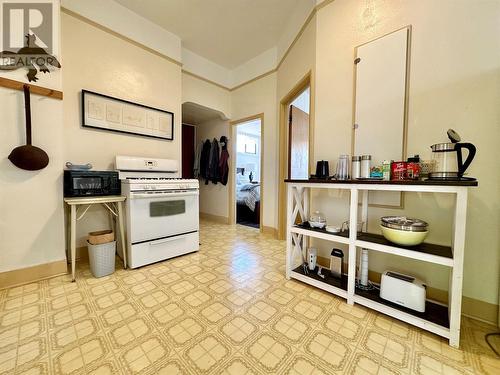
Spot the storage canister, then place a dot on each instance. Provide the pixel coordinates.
(398, 170)
(386, 170)
(413, 168)
(356, 167)
(365, 166)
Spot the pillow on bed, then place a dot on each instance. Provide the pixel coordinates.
(249, 187)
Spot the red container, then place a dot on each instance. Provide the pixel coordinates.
(398, 170)
(412, 170)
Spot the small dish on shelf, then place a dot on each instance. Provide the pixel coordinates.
(332, 229)
(78, 167)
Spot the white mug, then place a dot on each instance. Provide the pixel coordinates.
(312, 256)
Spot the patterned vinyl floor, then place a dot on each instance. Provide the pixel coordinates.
(225, 310)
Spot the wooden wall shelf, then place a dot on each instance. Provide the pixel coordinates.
(37, 90)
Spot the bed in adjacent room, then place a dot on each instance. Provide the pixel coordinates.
(247, 200)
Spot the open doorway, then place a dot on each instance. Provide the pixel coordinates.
(295, 140)
(298, 136)
(247, 171)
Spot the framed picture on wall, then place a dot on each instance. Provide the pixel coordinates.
(250, 148)
(105, 112)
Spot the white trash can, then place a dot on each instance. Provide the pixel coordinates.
(102, 258)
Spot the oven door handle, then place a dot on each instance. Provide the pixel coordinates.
(168, 239)
(162, 195)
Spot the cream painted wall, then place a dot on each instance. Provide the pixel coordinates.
(31, 219)
(31, 207)
(98, 61)
(454, 81)
(250, 100)
(299, 61)
(197, 91)
(294, 24)
(213, 197)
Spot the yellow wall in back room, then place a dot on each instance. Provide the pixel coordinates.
(213, 197)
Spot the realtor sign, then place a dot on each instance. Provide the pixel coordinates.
(27, 37)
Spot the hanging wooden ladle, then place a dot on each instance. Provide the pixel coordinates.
(28, 157)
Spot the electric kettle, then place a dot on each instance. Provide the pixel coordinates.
(449, 164)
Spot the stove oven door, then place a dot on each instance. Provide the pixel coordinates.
(158, 214)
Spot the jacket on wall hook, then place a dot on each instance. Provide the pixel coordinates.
(223, 162)
(212, 164)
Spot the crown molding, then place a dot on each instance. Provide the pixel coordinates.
(187, 72)
(118, 35)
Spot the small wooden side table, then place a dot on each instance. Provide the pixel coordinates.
(113, 203)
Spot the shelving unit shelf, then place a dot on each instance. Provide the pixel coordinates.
(426, 251)
(329, 283)
(439, 319)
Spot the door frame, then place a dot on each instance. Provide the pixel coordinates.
(285, 102)
(232, 165)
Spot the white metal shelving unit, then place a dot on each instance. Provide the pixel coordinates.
(441, 320)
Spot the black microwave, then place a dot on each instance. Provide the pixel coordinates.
(91, 183)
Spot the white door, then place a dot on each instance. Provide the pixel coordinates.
(380, 104)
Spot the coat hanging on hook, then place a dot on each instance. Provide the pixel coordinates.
(223, 141)
(223, 162)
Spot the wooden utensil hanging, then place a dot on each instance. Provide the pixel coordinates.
(28, 157)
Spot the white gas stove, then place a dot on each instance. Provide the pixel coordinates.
(162, 210)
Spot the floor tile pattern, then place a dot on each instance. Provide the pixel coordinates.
(226, 309)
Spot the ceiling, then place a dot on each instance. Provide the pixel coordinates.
(227, 32)
(195, 114)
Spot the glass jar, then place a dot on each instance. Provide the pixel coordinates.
(365, 166)
(356, 167)
(317, 220)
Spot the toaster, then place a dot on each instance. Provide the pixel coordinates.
(403, 290)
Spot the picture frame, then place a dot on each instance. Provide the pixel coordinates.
(104, 112)
(250, 148)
